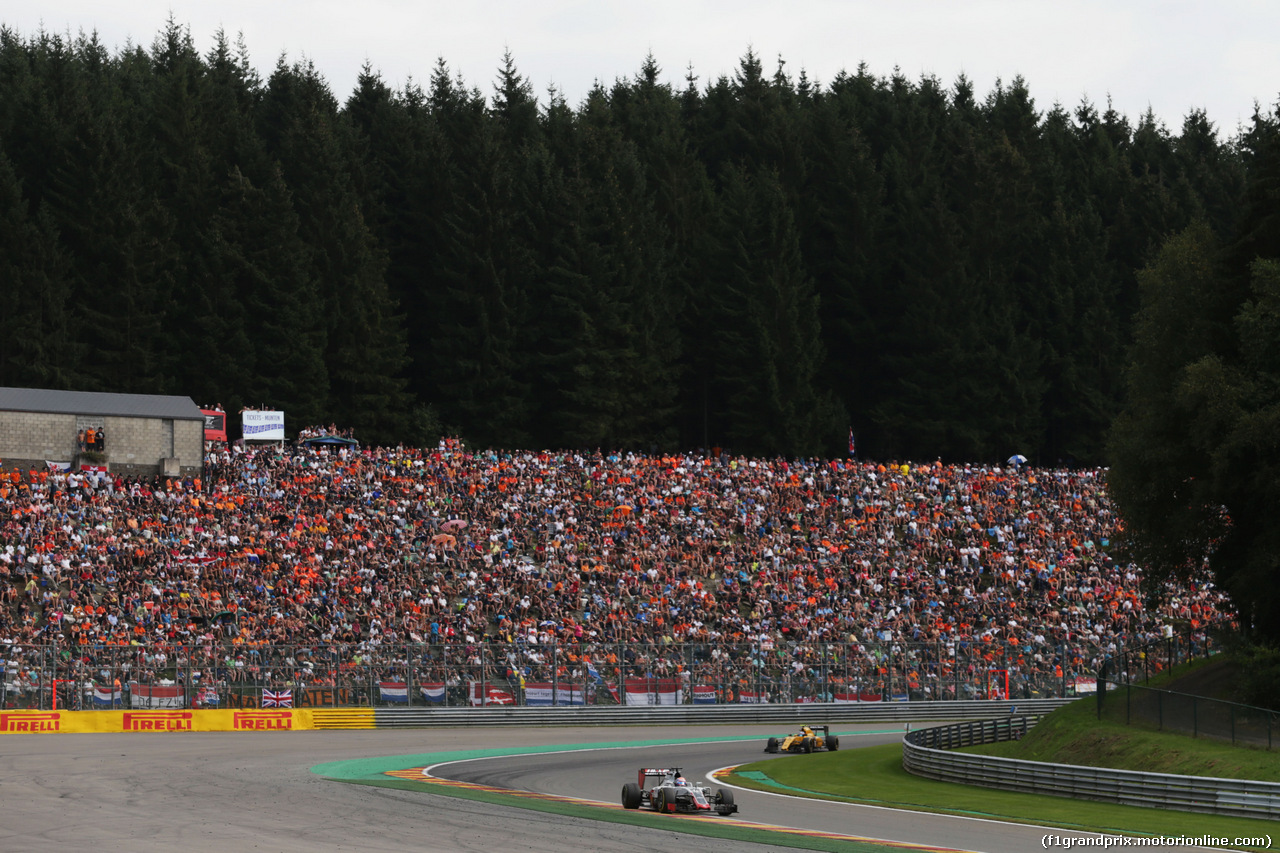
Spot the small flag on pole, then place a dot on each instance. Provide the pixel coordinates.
(852, 449)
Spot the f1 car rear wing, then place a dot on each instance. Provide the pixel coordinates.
(660, 772)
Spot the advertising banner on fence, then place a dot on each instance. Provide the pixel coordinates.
(653, 691)
(548, 693)
(490, 695)
(155, 696)
(307, 697)
(261, 425)
(152, 721)
(847, 698)
(704, 695)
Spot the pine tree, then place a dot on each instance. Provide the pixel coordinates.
(364, 349)
(768, 337)
(38, 348)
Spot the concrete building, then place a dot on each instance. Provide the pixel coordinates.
(139, 433)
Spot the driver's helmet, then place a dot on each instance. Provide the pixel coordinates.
(680, 783)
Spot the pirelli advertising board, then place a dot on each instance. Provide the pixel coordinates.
(154, 722)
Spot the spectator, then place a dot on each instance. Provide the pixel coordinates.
(936, 572)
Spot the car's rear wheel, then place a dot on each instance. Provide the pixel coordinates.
(772, 745)
(833, 743)
(631, 796)
(660, 800)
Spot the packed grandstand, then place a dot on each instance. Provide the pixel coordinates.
(347, 575)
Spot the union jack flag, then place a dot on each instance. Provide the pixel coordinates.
(277, 698)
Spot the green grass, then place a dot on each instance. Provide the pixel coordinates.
(874, 775)
(1070, 735)
(1074, 735)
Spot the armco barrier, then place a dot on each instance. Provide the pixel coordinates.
(791, 713)
(926, 752)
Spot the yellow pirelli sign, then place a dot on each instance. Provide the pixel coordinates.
(158, 721)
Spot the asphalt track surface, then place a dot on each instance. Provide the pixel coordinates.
(234, 791)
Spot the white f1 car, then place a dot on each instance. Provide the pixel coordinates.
(664, 789)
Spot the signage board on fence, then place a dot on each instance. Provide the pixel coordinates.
(549, 693)
(307, 697)
(258, 425)
(159, 721)
(652, 691)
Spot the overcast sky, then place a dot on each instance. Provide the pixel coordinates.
(1171, 56)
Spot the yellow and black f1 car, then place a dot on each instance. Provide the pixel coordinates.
(810, 739)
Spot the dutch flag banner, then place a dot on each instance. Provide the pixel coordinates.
(394, 691)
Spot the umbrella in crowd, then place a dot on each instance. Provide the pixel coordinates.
(444, 539)
(1017, 459)
(454, 524)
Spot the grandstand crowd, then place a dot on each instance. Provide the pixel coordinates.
(368, 548)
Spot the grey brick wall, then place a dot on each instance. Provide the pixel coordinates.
(133, 445)
(37, 436)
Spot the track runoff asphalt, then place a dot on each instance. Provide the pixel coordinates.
(276, 792)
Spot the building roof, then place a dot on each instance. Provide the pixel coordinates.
(95, 403)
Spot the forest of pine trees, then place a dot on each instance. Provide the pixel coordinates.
(758, 262)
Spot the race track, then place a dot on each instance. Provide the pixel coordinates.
(224, 791)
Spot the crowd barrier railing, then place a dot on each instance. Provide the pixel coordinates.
(427, 675)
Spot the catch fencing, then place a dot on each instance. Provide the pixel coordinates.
(1122, 699)
(791, 715)
(582, 674)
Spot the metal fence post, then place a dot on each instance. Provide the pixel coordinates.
(408, 650)
(622, 673)
(555, 671)
(444, 672)
(759, 666)
(1062, 656)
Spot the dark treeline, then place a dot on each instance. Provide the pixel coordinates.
(756, 262)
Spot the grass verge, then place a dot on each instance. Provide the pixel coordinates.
(1074, 735)
(874, 776)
